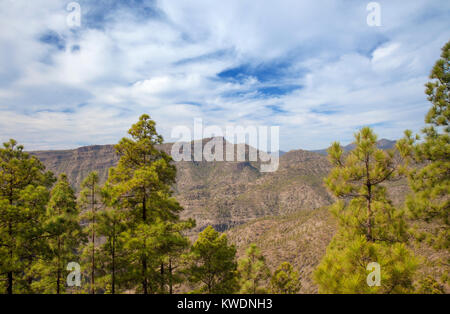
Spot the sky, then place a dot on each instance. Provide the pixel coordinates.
(316, 69)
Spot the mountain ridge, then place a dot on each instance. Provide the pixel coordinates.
(382, 144)
(283, 212)
(221, 194)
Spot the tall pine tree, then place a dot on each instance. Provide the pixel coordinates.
(285, 280)
(213, 263)
(23, 195)
(90, 200)
(253, 272)
(141, 187)
(112, 259)
(429, 179)
(64, 235)
(171, 243)
(371, 229)
(429, 173)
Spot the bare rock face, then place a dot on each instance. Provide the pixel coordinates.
(77, 163)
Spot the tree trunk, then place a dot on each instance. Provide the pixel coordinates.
(170, 276)
(144, 258)
(9, 288)
(369, 220)
(144, 276)
(113, 275)
(58, 272)
(369, 203)
(10, 283)
(162, 277)
(93, 242)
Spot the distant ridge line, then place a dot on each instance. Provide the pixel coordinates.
(382, 144)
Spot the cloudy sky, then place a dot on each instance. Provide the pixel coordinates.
(315, 68)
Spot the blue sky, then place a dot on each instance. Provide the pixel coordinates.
(315, 68)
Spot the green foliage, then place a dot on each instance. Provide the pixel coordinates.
(64, 234)
(23, 197)
(429, 178)
(213, 263)
(90, 202)
(112, 259)
(357, 180)
(438, 91)
(171, 243)
(253, 272)
(371, 229)
(429, 285)
(285, 280)
(140, 187)
(344, 267)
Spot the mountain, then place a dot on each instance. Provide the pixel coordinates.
(222, 194)
(77, 163)
(283, 212)
(300, 238)
(382, 144)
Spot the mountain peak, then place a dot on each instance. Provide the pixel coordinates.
(382, 144)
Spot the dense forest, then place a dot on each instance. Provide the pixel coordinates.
(128, 237)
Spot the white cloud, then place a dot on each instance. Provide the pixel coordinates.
(384, 51)
(167, 65)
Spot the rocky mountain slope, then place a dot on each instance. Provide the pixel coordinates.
(301, 238)
(222, 194)
(283, 212)
(77, 163)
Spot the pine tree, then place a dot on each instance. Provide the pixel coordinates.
(429, 171)
(253, 272)
(344, 268)
(64, 235)
(90, 202)
(358, 180)
(371, 229)
(23, 195)
(176, 265)
(171, 244)
(213, 263)
(429, 285)
(285, 280)
(430, 178)
(141, 187)
(112, 259)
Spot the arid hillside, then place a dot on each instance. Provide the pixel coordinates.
(283, 212)
(222, 194)
(300, 238)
